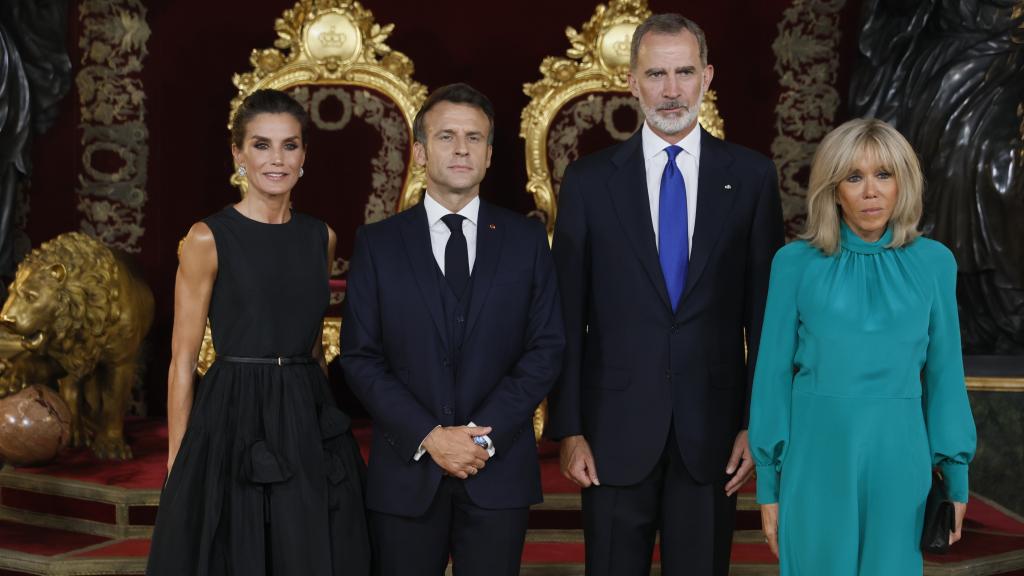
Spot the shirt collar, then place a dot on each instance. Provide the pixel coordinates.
(654, 144)
(435, 211)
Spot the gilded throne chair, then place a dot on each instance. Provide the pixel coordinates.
(583, 104)
(331, 56)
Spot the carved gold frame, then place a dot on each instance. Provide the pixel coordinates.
(596, 62)
(336, 42)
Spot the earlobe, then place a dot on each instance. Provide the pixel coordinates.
(419, 154)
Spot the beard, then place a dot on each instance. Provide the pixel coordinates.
(670, 125)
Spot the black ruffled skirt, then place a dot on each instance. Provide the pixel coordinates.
(268, 481)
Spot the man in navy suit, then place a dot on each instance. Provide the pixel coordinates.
(663, 247)
(452, 335)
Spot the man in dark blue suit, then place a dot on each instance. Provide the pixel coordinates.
(452, 335)
(663, 247)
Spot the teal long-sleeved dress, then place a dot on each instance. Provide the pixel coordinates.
(858, 390)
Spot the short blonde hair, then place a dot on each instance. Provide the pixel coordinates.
(835, 159)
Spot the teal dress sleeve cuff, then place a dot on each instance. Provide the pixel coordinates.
(956, 480)
(767, 484)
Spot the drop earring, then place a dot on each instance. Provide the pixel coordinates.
(241, 171)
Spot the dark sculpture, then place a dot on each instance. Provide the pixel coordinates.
(35, 74)
(949, 75)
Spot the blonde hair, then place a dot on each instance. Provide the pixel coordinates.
(835, 159)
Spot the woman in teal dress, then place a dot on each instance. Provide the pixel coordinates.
(859, 386)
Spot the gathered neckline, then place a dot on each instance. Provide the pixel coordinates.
(849, 240)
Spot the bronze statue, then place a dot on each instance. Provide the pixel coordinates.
(21, 368)
(35, 74)
(79, 303)
(949, 75)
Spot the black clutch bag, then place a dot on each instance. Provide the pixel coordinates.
(939, 517)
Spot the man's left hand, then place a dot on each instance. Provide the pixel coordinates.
(741, 464)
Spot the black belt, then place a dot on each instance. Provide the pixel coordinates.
(278, 361)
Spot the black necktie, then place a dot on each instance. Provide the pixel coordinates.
(456, 256)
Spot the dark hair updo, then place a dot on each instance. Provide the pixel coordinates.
(266, 101)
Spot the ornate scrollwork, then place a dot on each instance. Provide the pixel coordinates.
(388, 166)
(597, 62)
(336, 42)
(807, 62)
(332, 338)
(112, 107)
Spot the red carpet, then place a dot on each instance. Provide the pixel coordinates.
(42, 541)
(147, 470)
(84, 516)
(572, 553)
(138, 548)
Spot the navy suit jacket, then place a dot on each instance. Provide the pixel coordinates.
(632, 366)
(397, 359)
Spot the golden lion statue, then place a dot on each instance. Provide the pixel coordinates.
(79, 303)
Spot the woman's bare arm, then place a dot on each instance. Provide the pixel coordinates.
(193, 286)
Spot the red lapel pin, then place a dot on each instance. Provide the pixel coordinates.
(492, 226)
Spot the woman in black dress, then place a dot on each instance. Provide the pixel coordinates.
(264, 477)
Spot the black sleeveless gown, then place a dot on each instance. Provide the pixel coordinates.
(268, 480)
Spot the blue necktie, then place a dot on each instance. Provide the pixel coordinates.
(673, 245)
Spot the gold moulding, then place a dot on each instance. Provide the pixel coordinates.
(994, 384)
(336, 43)
(333, 35)
(615, 44)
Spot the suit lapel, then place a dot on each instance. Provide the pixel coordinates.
(416, 236)
(628, 187)
(716, 194)
(488, 249)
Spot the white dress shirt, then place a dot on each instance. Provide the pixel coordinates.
(439, 234)
(688, 161)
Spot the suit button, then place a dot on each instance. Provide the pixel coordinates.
(446, 363)
(675, 327)
(668, 374)
(447, 410)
